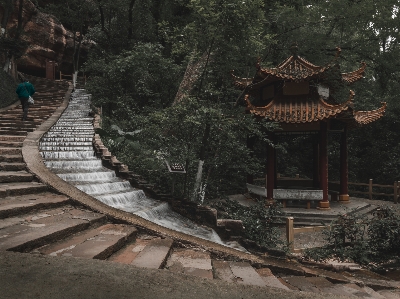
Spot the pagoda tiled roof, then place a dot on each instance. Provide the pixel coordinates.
(308, 107)
(366, 117)
(299, 110)
(295, 68)
(355, 75)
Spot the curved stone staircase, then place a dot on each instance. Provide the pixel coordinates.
(41, 214)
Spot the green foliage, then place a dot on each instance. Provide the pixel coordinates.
(139, 80)
(175, 134)
(365, 240)
(12, 47)
(259, 221)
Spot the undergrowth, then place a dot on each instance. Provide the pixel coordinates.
(369, 240)
(260, 221)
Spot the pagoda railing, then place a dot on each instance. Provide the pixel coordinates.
(368, 190)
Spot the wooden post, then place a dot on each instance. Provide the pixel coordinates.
(316, 164)
(370, 189)
(395, 191)
(60, 75)
(290, 233)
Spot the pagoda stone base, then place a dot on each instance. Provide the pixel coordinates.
(344, 198)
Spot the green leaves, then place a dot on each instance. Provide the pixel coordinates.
(369, 241)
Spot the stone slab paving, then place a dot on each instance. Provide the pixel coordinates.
(16, 205)
(154, 255)
(94, 243)
(191, 262)
(270, 279)
(127, 254)
(15, 189)
(42, 227)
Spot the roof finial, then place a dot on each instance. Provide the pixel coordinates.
(294, 48)
(338, 51)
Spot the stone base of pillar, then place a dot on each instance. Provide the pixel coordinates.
(323, 205)
(344, 198)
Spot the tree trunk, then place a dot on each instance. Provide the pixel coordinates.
(204, 144)
(130, 19)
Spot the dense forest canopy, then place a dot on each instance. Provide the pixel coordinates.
(144, 51)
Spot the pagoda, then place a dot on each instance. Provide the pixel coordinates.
(296, 94)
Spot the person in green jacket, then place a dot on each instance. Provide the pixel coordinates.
(24, 90)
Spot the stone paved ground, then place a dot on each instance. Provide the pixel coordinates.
(36, 276)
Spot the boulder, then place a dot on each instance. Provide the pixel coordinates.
(48, 39)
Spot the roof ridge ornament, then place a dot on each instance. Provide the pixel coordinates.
(338, 52)
(294, 49)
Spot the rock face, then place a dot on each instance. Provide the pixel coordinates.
(47, 37)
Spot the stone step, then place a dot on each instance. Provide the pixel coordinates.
(10, 151)
(22, 204)
(13, 132)
(15, 189)
(127, 254)
(390, 294)
(302, 283)
(15, 176)
(12, 138)
(5, 143)
(270, 279)
(94, 243)
(38, 229)
(151, 254)
(237, 272)
(11, 158)
(191, 262)
(6, 166)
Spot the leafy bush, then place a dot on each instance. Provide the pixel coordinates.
(259, 221)
(367, 240)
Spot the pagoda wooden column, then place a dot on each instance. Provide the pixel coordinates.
(323, 165)
(270, 169)
(344, 173)
(315, 164)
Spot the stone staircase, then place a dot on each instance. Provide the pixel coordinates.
(37, 219)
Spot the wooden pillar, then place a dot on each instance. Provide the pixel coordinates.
(315, 163)
(323, 165)
(270, 169)
(250, 146)
(290, 233)
(344, 173)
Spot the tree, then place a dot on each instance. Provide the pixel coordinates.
(75, 15)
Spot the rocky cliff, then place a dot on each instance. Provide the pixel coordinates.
(47, 38)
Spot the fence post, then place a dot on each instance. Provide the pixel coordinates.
(290, 233)
(370, 189)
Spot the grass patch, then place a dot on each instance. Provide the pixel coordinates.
(7, 90)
